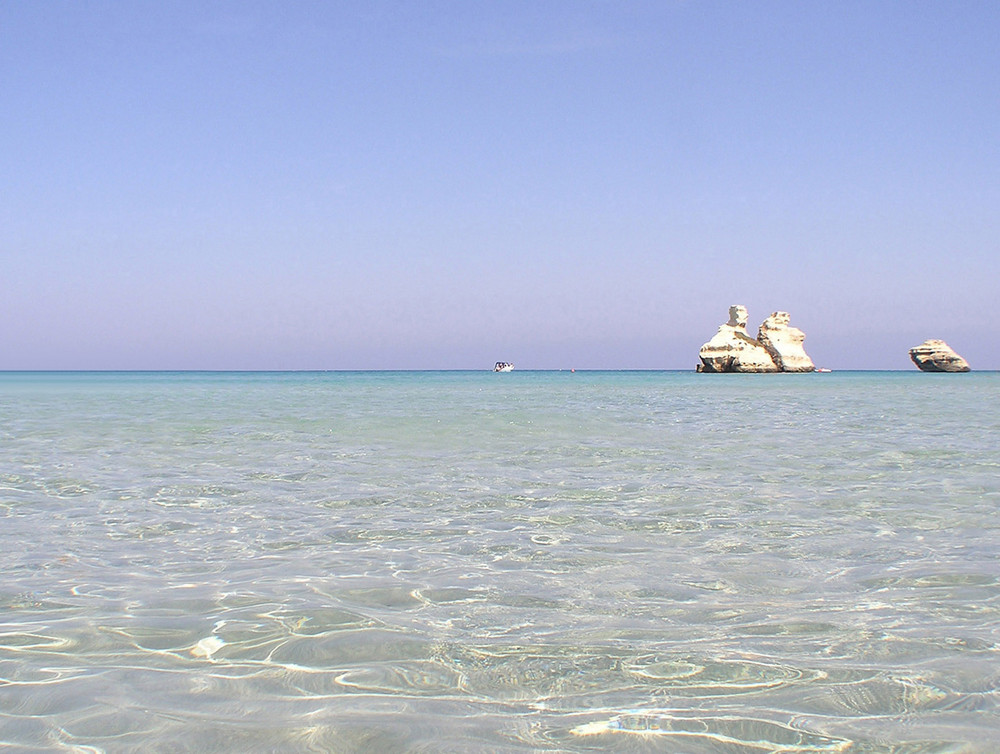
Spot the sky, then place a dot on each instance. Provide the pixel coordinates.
(579, 184)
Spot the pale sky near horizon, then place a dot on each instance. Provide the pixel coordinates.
(420, 185)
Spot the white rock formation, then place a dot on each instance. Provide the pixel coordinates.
(784, 344)
(937, 356)
(738, 316)
(732, 350)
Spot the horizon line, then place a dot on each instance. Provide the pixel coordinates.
(447, 369)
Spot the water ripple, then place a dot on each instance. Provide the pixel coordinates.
(628, 562)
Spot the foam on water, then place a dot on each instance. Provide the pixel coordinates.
(517, 562)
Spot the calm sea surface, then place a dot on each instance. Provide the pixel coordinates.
(533, 561)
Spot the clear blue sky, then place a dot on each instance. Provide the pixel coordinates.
(345, 185)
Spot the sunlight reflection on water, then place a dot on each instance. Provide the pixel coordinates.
(500, 563)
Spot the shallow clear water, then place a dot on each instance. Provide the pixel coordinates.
(533, 561)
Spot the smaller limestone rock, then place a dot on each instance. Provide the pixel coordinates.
(937, 356)
(784, 344)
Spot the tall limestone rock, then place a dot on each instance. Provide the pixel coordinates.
(778, 347)
(732, 350)
(937, 356)
(784, 343)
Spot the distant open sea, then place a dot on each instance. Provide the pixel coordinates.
(522, 562)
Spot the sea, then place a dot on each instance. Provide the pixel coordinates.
(463, 561)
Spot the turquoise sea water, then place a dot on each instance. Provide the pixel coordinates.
(533, 561)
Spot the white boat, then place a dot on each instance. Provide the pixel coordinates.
(503, 366)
